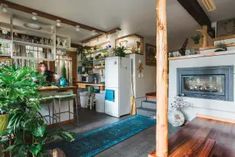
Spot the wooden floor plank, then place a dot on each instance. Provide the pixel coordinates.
(223, 133)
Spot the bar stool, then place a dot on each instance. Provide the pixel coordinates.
(91, 97)
(66, 97)
(49, 102)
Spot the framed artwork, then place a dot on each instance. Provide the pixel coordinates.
(150, 55)
(226, 27)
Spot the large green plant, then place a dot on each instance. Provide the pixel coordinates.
(19, 98)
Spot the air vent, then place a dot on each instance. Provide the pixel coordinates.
(209, 5)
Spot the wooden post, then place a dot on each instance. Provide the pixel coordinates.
(162, 80)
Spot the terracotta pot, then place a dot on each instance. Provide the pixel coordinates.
(3, 122)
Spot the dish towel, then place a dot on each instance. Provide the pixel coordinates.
(110, 95)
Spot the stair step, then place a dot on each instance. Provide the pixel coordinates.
(149, 104)
(146, 112)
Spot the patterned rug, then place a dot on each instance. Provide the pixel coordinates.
(95, 141)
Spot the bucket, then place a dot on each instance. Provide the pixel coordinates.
(84, 99)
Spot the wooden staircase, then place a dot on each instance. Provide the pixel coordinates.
(148, 106)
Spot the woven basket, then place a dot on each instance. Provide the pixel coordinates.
(3, 122)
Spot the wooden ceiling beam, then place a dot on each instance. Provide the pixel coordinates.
(196, 11)
(49, 16)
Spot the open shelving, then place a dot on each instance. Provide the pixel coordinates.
(32, 45)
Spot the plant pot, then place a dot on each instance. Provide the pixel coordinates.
(3, 122)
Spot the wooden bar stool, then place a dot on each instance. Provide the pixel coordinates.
(66, 97)
(49, 102)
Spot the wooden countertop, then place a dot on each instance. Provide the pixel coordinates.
(55, 88)
(88, 83)
(84, 85)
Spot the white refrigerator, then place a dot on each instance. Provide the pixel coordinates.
(117, 80)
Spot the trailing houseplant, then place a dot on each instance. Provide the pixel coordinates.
(19, 98)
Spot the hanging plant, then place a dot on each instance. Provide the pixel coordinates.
(196, 38)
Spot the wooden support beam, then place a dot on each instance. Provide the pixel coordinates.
(195, 10)
(49, 16)
(162, 80)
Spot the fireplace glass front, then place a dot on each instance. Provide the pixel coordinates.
(213, 84)
(206, 82)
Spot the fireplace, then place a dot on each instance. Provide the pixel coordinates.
(206, 82)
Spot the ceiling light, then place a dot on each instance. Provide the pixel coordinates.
(58, 23)
(34, 17)
(33, 26)
(93, 32)
(209, 5)
(77, 28)
(4, 8)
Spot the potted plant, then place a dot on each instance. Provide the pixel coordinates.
(19, 98)
(120, 51)
(196, 39)
(221, 47)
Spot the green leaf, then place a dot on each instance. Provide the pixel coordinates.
(10, 148)
(36, 149)
(39, 131)
(68, 136)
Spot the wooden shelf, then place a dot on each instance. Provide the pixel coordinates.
(211, 54)
(32, 58)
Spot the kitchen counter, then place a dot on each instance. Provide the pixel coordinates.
(84, 85)
(66, 104)
(55, 88)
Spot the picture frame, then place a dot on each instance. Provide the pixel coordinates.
(150, 55)
(226, 27)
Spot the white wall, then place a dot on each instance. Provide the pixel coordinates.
(222, 109)
(144, 84)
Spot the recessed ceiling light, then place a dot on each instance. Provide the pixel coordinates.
(34, 17)
(58, 23)
(77, 28)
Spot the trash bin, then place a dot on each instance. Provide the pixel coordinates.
(99, 102)
(84, 99)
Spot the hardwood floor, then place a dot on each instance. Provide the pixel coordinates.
(223, 133)
(143, 143)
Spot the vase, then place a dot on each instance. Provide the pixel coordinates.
(3, 122)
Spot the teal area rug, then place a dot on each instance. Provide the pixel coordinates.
(93, 142)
